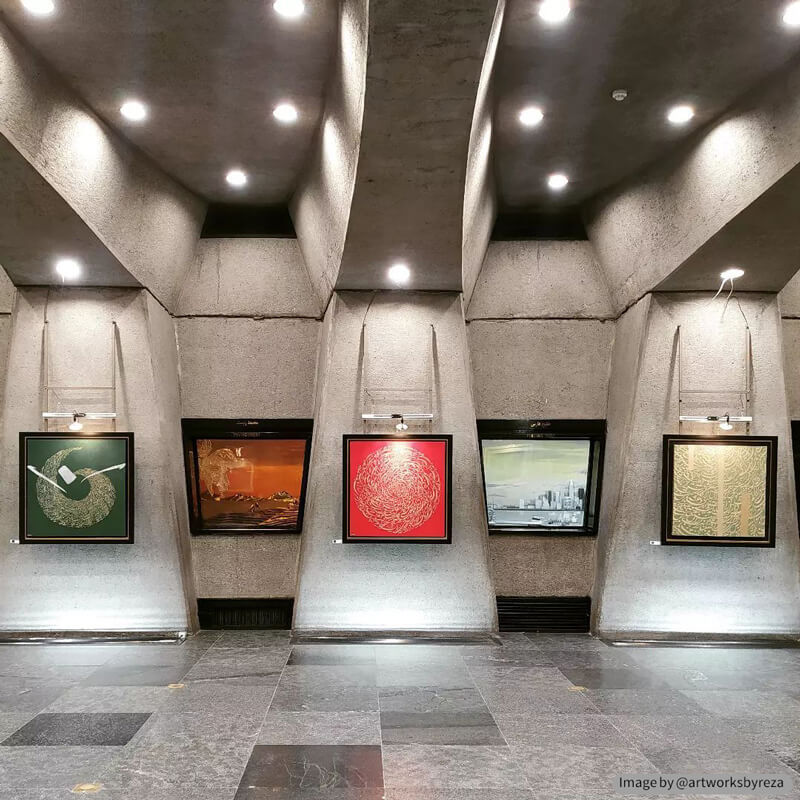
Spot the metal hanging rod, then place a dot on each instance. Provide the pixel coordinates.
(397, 416)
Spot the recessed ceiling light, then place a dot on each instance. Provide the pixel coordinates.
(134, 110)
(554, 10)
(557, 181)
(731, 274)
(678, 115)
(791, 15)
(289, 8)
(68, 268)
(236, 177)
(399, 273)
(531, 116)
(39, 7)
(285, 112)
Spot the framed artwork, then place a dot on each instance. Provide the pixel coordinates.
(719, 490)
(542, 477)
(76, 487)
(246, 476)
(397, 488)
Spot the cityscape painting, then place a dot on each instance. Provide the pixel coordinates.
(536, 483)
(541, 476)
(248, 481)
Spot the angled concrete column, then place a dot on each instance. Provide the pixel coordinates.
(393, 587)
(645, 590)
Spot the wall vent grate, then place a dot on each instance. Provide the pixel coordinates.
(558, 614)
(260, 613)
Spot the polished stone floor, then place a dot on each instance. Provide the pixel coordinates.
(243, 714)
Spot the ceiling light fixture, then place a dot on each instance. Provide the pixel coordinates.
(68, 268)
(619, 94)
(680, 115)
(237, 178)
(791, 15)
(557, 181)
(554, 10)
(134, 110)
(399, 273)
(285, 112)
(531, 116)
(731, 274)
(41, 8)
(291, 9)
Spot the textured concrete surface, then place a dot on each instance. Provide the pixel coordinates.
(247, 367)
(789, 298)
(791, 364)
(540, 279)
(7, 293)
(542, 566)
(394, 586)
(90, 587)
(148, 222)
(175, 54)
(321, 205)
(649, 226)
(480, 191)
(249, 277)
(423, 68)
(44, 228)
(541, 369)
(714, 52)
(702, 590)
(246, 566)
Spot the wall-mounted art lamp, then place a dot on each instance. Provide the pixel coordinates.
(724, 420)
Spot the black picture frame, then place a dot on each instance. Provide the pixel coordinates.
(770, 490)
(591, 430)
(194, 428)
(25, 536)
(346, 483)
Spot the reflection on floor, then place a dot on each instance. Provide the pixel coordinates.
(245, 715)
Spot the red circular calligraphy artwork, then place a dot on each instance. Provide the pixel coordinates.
(397, 488)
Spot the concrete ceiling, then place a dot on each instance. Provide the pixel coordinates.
(664, 52)
(211, 72)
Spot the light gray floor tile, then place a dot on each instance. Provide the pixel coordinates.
(747, 704)
(642, 701)
(319, 727)
(240, 665)
(120, 699)
(589, 730)
(53, 767)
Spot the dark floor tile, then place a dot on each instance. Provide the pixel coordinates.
(77, 730)
(260, 639)
(137, 675)
(613, 678)
(268, 793)
(440, 728)
(314, 767)
(332, 655)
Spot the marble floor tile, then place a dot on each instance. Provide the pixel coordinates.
(430, 699)
(513, 793)
(425, 767)
(445, 675)
(271, 793)
(314, 767)
(246, 666)
(111, 699)
(588, 730)
(716, 758)
(440, 728)
(310, 696)
(613, 678)
(18, 695)
(746, 704)
(32, 768)
(77, 730)
(362, 675)
(137, 675)
(666, 702)
(332, 655)
(572, 770)
(321, 727)
(274, 640)
(13, 721)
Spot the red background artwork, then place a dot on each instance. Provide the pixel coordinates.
(410, 496)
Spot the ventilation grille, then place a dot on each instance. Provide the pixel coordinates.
(562, 614)
(257, 613)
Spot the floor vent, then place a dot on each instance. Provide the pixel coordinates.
(561, 614)
(262, 613)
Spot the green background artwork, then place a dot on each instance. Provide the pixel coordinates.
(91, 506)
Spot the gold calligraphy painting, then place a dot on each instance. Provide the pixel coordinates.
(719, 490)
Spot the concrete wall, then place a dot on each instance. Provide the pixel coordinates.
(394, 587)
(95, 587)
(655, 590)
(247, 368)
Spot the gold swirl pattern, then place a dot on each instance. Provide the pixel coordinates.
(63, 510)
